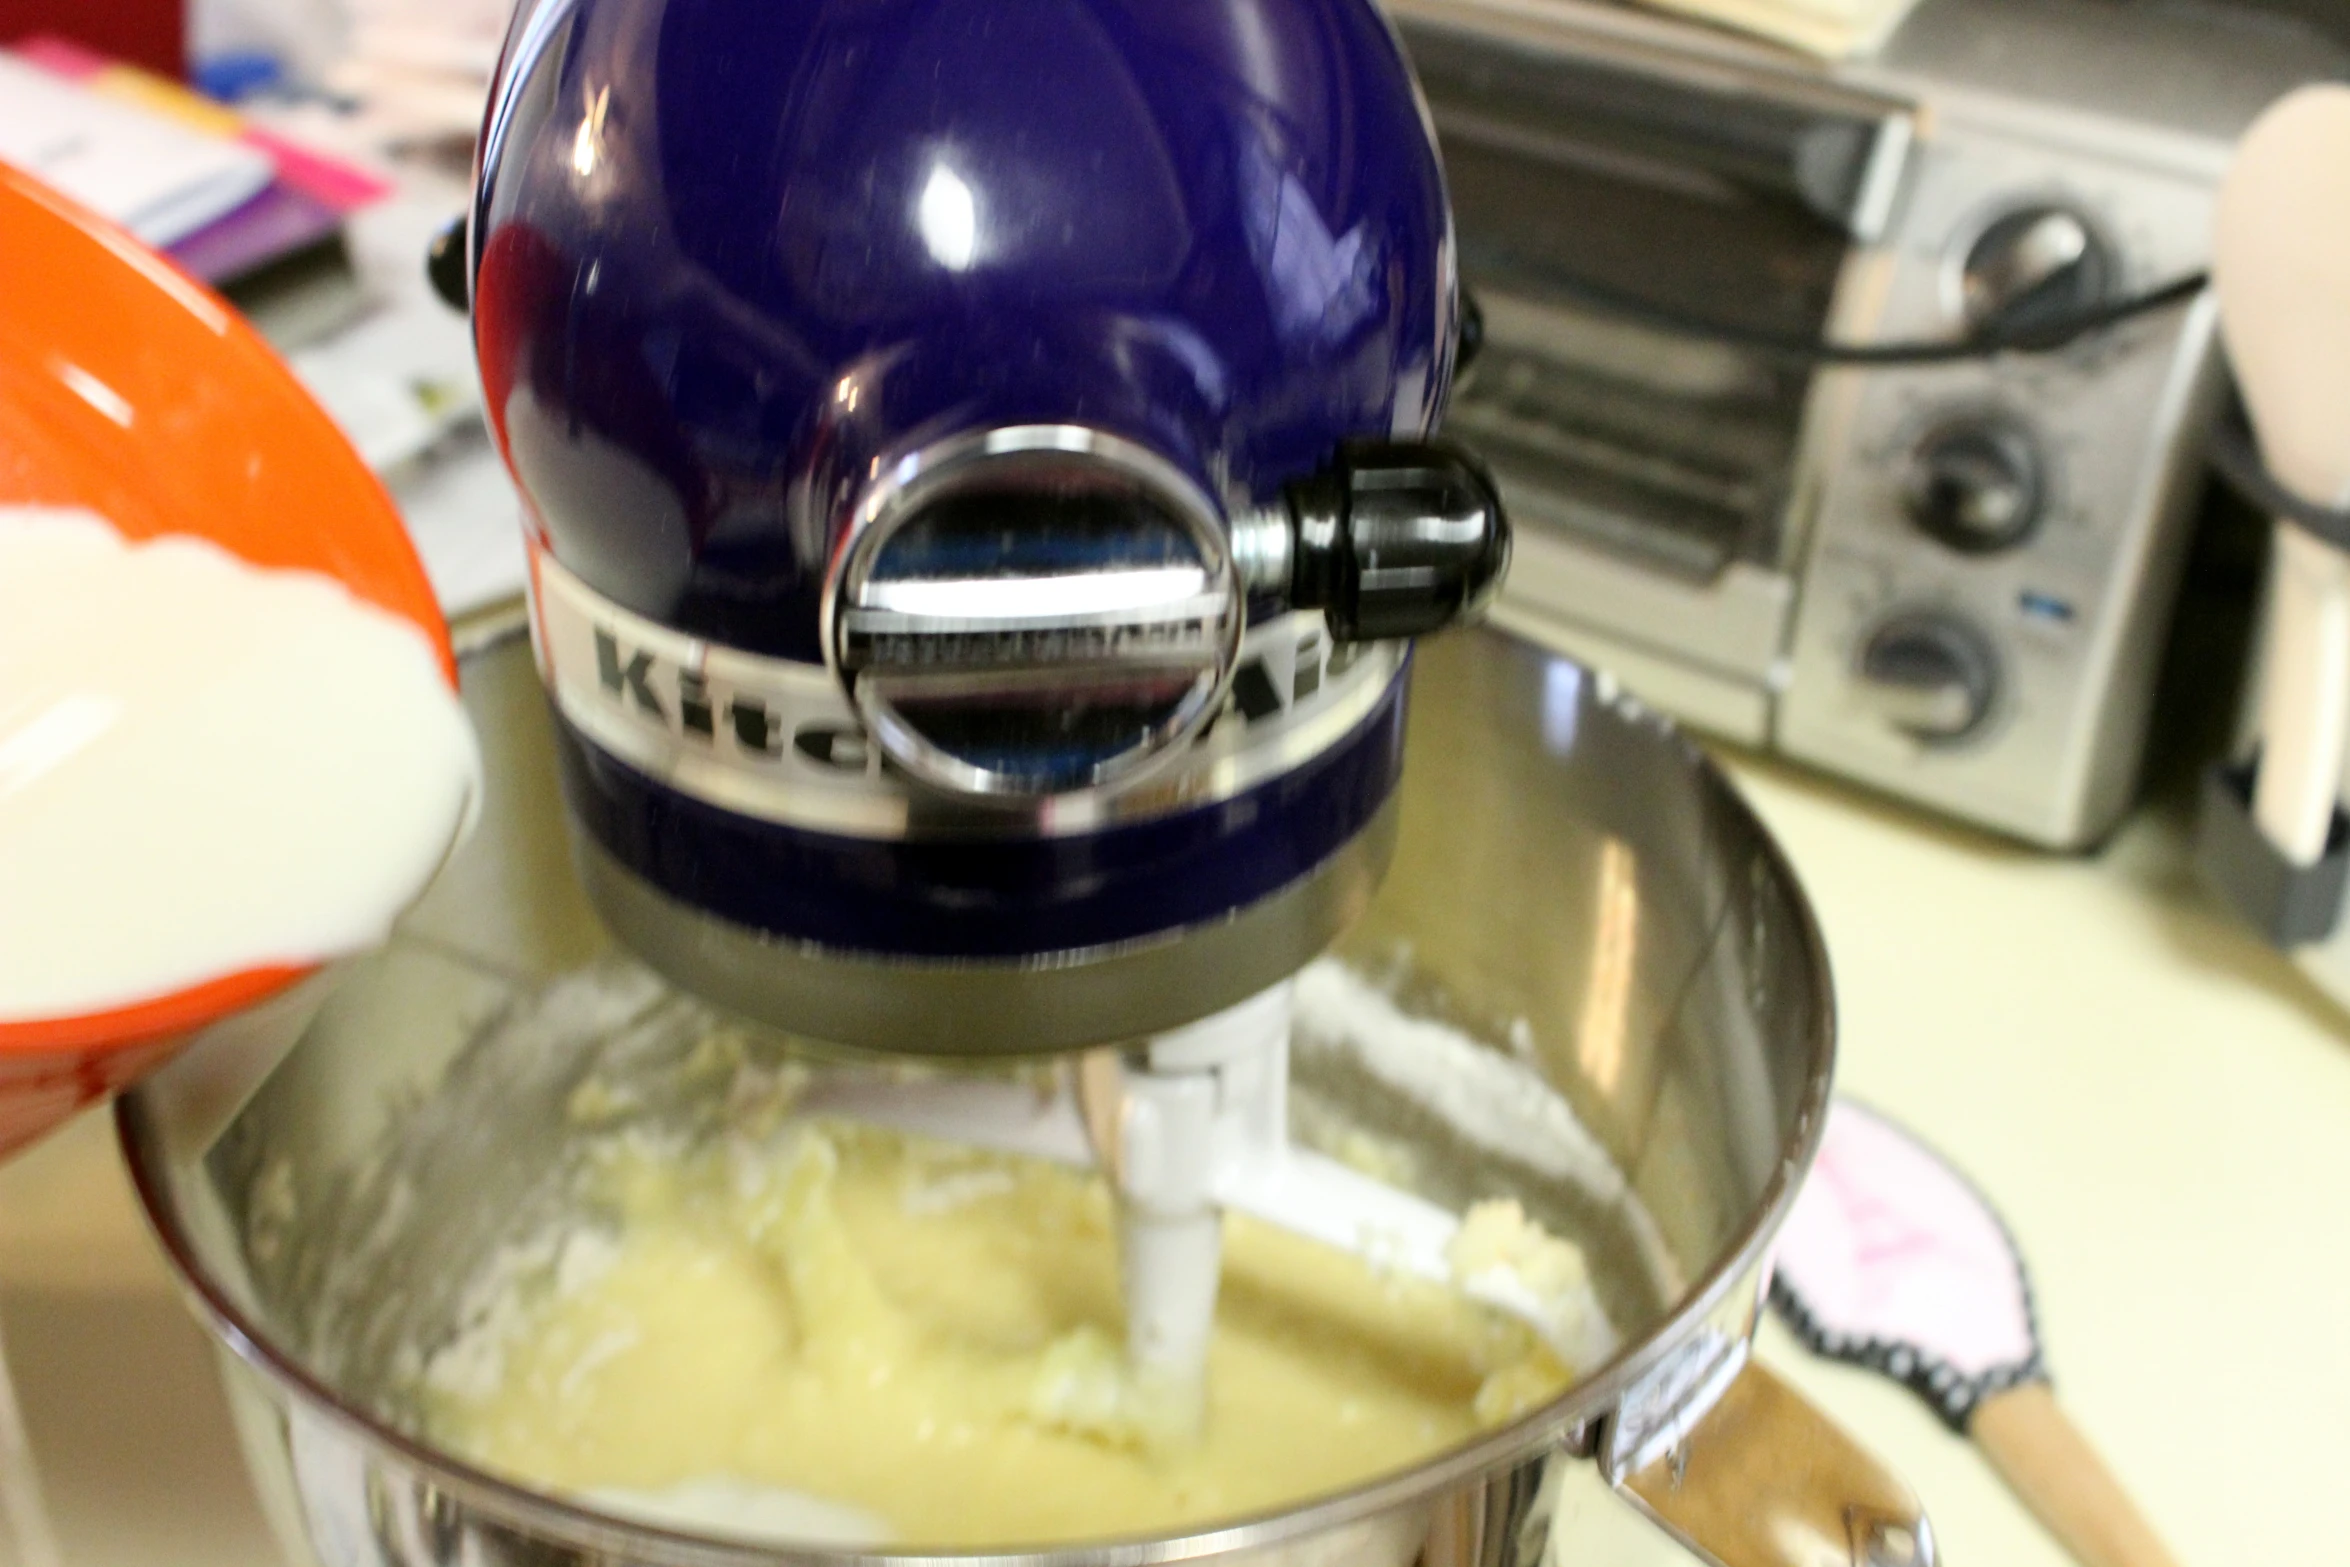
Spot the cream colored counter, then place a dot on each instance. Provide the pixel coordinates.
(2161, 1108)
(129, 1429)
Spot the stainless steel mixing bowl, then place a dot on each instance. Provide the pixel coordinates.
(1575, 889)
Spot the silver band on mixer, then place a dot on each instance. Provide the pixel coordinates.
(777, 739)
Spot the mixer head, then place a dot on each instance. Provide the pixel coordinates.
(978, 472)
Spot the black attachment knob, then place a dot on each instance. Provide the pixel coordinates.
(2035, 270)
(1976, 484)
(1472, 330)
(1397, 538)
(1929, 675)
(445, 265)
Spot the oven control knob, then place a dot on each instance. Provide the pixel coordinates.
(1975, 484)
(1928, 674)
(2034, 269)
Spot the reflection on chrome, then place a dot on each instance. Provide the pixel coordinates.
(1562, 700)
(1041, 598)
(1615, 943)
(948, 216)
(587, 147)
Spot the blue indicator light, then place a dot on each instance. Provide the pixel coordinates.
(2046, 607)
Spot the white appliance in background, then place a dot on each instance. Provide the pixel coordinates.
(2274, 838)
(1948, 580)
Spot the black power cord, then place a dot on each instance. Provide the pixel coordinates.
(2237, 459)
(2038, 337)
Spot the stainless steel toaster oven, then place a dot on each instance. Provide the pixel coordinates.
(1855, 412)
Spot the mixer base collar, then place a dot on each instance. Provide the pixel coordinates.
(1098, 996)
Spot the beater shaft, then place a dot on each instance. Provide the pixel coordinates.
(1186, 1109)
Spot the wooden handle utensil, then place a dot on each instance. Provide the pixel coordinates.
(1893, 1261)
(2051, 1467)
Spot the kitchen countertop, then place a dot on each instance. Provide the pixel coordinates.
(2160, 1106)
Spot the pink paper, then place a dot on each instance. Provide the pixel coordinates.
(332, 182)
(59, 56)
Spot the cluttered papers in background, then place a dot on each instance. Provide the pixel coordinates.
(220, 195)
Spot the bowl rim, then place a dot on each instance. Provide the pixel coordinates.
(138, 1023)
(1573, 1414)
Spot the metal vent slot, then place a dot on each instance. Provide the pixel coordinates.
(1658, 473)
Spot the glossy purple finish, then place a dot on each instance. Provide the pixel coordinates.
(729, 254)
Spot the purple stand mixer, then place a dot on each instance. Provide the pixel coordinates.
(980, 486)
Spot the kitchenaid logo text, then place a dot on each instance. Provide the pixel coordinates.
(778, 739)
(683, 702)
(638, 682)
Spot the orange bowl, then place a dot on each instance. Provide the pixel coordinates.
(129, 388)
